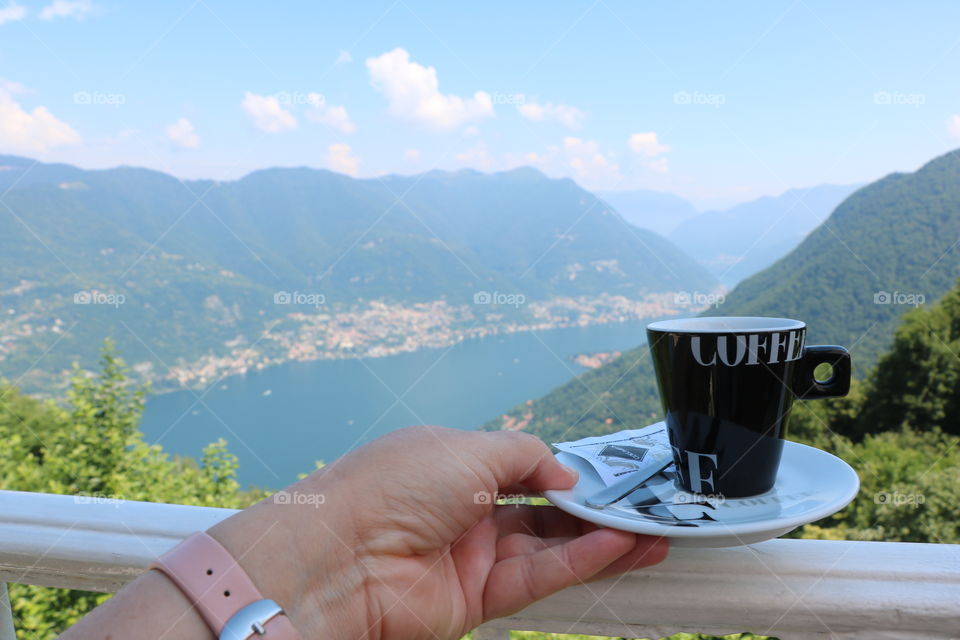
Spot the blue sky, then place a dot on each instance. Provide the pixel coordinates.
(717, 102)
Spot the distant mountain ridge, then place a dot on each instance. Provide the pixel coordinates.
(199, 261)
(890, 245)
(737, 242)
(659, 211)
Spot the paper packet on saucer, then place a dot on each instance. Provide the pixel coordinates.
(618, 454)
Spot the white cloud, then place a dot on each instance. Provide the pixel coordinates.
(78, 9)
(412, 155)
(267, 113)
(953, 126)
(344, 57)
(12, 13)
(340, 159)
(182, 134)
(32, 131)
(564, 114)
(646, 144)
(413, 93)
(330, 115)
(335, 117)
(580, 159)
(476, 157)
(589, 163)
(659, 165)
(10, 87)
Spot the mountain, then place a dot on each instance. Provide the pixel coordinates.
(888, 247)
(17, 171)
(740, 241)
(658, 211)
(175, 270)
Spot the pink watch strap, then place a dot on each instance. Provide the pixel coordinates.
(218, 588)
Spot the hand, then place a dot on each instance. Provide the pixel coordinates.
(408, 543)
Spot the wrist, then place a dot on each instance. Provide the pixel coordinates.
(299, 553)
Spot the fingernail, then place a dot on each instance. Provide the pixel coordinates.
(573, 472)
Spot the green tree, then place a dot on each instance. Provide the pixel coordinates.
(918, 381)
(91, 446)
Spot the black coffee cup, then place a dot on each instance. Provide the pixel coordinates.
(727, 386)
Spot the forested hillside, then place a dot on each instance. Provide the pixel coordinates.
(178, 270)
(887, 248)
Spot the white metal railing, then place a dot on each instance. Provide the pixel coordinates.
(793, 589)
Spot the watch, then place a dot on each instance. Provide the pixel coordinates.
(222, 592)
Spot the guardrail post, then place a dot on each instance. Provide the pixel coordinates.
(6, 616)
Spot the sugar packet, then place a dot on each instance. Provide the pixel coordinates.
(616, 455)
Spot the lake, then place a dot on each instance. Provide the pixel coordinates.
(280, 420)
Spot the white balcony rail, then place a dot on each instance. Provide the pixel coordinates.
(793, 589)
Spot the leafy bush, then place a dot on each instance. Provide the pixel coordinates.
(91, 447)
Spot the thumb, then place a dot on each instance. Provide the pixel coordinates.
(522, 459)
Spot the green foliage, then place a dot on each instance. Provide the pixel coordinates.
(91, 447)
(918, 380)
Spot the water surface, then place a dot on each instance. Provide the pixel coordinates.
(281, 420)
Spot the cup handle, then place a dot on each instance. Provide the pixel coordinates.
(805, 384)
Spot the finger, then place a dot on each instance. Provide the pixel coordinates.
(539, 520)
(520, 458)
(473, 555)
(647, 551)
(516, 582)
(517, 544)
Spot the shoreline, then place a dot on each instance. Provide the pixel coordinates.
(381, 330)
(375, 329)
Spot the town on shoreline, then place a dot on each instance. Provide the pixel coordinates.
(378, 329)
(319, 330)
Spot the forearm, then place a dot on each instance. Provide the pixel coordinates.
(297, 556)
(149, 607)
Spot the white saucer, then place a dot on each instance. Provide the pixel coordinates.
(811, 485)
